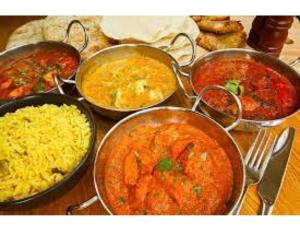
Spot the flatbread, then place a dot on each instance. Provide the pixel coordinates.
(30, 32)
(146, 29)
(199, 52)
(180, 52)
(220, 27)
(188, 26)
(213, 41)
(135, 28)
(197, 18)
(173, 25)
(54, 28)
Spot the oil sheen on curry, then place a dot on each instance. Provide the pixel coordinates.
(168, 169)
(129, 83)
(264, 93)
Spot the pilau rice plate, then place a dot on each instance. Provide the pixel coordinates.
(38, 147)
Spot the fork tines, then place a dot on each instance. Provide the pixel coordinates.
(260, 151)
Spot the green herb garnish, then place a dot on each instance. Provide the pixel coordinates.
(19, 82)
(197, 189)
(114, 96)
(121, 200)
(39, 88)
(234, 86)
(165, 165)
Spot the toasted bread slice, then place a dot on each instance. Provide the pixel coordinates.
(220, 27)
(212, 41)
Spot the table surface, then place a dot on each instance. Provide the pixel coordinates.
(82, 188)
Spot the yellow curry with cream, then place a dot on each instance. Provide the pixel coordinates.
(129, 83)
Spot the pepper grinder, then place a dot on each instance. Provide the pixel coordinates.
(269, 33)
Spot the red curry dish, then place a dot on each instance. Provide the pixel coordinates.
(33, 72)
(264, 93)
(168, 169)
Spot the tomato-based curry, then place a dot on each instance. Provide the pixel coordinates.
(264, 92)
(33, 72)
(168, 169)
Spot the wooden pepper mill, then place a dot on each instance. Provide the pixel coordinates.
(269, 33)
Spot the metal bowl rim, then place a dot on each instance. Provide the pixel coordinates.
(81, 163)
(244, 50)
(22, 46)
(118, 47)
(170, 108)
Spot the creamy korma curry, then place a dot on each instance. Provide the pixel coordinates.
(129, 83)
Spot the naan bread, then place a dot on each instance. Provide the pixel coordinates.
(134, 28)
(212, 41)
(198, 18)
(155, 30)
(220, 27)
(188, 26)
(30, 32)
(185, 58)
(54, 28)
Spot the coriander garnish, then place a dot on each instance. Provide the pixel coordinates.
(235, 86)
(39, 88)
(165, 165)
(122, 200)
(197, 189)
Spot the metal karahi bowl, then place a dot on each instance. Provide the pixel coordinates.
(270, 61)
(56, 99)
(162, 115)
(123, 51)
(15, 52)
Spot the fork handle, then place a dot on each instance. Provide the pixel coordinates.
(266, 208)
(237, 209)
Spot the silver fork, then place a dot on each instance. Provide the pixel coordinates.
(256, 161)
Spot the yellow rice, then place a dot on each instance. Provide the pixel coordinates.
(38, 147)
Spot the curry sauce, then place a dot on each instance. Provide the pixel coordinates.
(168, 169)
(129, 83)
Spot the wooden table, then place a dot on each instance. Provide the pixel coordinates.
(287, 203)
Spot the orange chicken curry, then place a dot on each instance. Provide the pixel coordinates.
(168, 169)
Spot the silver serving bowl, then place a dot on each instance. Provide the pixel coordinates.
(159, 116)
(72, 176)
(123, 51)
(15, 52)
(270, 61)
